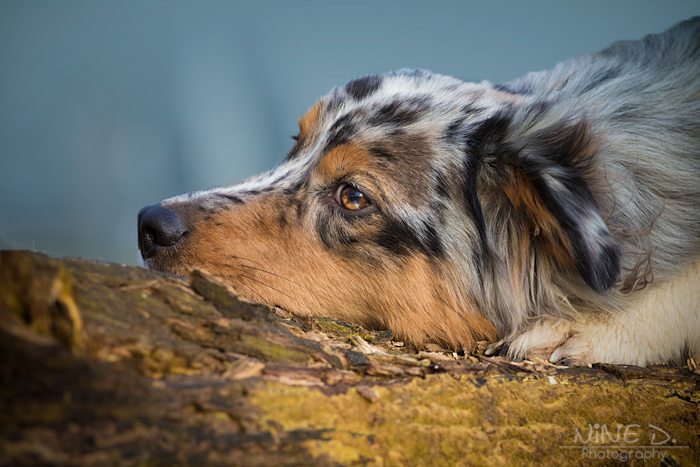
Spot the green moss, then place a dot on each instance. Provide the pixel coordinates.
(259, 347)
(342, 328)
(336, 326)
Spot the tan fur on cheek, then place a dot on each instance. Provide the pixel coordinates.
(420, 308)
(274, 262)
(264, 258)
(413, 302)
(286, 265)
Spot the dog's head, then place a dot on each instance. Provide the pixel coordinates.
(439, 209)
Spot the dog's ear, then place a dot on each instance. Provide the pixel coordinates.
(541, 170)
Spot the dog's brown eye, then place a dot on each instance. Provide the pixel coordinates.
(351, 198)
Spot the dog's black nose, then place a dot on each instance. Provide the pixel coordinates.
(158, 227)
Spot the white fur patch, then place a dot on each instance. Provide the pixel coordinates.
(657, 324)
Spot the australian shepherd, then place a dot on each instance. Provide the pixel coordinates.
(557, 215)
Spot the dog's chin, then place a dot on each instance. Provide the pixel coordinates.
(167, 266)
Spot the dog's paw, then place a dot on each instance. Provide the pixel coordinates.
(558, 341)
(575, 350)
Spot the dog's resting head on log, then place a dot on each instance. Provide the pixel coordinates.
(452, 212)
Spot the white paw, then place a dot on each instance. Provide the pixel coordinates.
(553, 340)
(573, 351)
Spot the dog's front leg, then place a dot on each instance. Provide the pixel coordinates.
(656, 325)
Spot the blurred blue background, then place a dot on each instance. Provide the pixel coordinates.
(108, 106)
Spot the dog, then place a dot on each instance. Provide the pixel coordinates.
(557, 215)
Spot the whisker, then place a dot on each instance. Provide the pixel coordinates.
(280, 292)
(267, 285)
(266, 272)
(245, 259)
(262, 299)
(277, 275)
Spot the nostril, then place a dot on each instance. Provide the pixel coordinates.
(158, 227)
(148, 237)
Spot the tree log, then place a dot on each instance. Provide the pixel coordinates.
(103, 364)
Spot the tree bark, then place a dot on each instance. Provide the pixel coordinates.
(102, 364)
